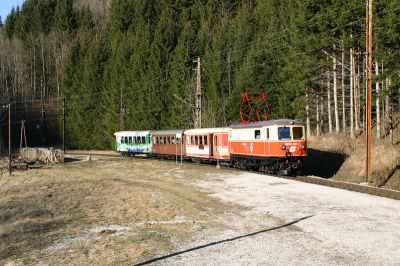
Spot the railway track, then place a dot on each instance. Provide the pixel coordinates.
(382, 192)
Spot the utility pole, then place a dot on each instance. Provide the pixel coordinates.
(369, 90)
(229, 73)
(197, 119)
(64, 122)
(9, 138)
(121, 111)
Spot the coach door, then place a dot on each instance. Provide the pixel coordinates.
(211, 144)
(215, 147)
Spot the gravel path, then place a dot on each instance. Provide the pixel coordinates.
(293, 223)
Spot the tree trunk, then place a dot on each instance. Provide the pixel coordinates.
(378, 108)
(308, 117)
(335, 95)
(34, 70)
(317, 114)
(343, 95)
(321, 101)
(43, 68)
(351, 93)
(385, 104)
(329, 104)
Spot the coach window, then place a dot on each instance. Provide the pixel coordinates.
(257, 134)
(205, 140)
(130, 139)
(122, 139)
(168, 140)
(267, 133)
(284, 133)
(196, 140)
(192, 140)
(298, 133)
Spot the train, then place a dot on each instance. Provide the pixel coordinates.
(271, 146)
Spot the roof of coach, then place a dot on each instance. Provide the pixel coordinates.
(207, 130)
(279, 122)
(131, 133)
(166, 132)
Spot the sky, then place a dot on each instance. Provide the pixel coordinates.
(7, 5)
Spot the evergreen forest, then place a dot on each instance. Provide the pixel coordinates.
(132, 63)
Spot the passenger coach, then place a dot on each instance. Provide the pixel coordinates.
(207, 144)
(268, 146)
(168, 143)
(133, 142)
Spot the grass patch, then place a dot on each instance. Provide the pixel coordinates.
(52, 216)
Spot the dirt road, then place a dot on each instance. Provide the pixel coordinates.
(293, 223)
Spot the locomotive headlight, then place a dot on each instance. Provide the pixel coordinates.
(302, 147)
(283, 147)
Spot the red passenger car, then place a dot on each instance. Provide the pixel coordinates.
(207, 144)
(269, 146)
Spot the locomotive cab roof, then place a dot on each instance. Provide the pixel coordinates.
(279, 122)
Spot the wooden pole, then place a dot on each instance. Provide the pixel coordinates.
(198, 111)
(369, 91)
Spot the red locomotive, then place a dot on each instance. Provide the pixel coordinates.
(276, 146)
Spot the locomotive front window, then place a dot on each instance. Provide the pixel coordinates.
(284, 133)
(298, 133)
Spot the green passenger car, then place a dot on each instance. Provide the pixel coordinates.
(133, 142)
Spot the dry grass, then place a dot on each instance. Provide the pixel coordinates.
(385, 158)
(53, 216)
